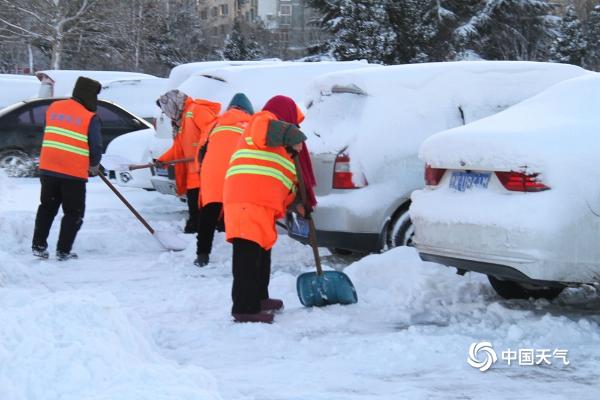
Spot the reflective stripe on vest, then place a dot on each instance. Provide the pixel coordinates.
(65, 147)
(261, 170)
(230, 128)
(189, 114)
(249, 141)
(265, 156)
(65, 132)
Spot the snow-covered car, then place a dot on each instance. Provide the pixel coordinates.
(133, 91)
(516, 196)
(182, 72)
(22, 130)
(135, 148)
(258, 82)
(16, 88)
(365, 128)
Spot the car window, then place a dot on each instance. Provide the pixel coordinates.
(39, 114)
(24, 117)
(109, 117)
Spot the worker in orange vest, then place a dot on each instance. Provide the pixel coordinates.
(191, 120)
(215, 156)
(71, 152)
(260, 184)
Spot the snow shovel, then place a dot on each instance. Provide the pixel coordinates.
(321, 288)
(118, 163)
(166, 240)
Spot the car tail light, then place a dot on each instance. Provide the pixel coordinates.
(520, 182)
(433, 176)
(343, 178)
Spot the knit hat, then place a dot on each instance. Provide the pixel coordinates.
(86, 92)
(284, 109)
(242, 102)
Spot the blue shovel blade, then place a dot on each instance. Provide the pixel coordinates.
(333, 287)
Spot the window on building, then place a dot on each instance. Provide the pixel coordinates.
(204, 13)
(215, 31)
(214, 12)
(285, 14)
(223, 29)
(224, 9)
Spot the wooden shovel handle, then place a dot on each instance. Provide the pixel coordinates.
(124, 200)
(133, 167)
(312, 231)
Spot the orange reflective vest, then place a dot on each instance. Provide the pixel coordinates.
(222, 142)
(258, 174)
(198, 116)
(65, 148)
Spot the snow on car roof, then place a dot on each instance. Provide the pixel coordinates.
(137, 95)
(64, 80)
(181, 72)
(16, 88)
(554, 133)
(385, 113)
(261, 82)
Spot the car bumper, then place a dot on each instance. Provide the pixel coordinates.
(164, 185)
(355, 242)
(518, 254)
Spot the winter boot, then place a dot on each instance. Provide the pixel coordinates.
(201, 260)
(64, 256)
(40, 251)
(267, 305)
(263, 317)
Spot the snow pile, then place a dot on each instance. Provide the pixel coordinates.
(16, 88)
(181, 72)
(60, 83)
(80, 345)
(262, 82)
(137, 96)
(382, 115)
(554, 133)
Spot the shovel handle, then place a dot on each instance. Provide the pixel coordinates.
(124, 200)
(133, 167)
(312, 231)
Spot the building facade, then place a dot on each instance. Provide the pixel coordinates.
(291, 24)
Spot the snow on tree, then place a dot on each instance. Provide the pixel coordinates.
(509, 29)
(362, 30)
(237, 47)
(593, 39)
(570, 45)
(46, 24)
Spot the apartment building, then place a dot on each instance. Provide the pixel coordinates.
(291, 23)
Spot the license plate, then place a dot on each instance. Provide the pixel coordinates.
(297, 225)
(462, 180)
(162, 172)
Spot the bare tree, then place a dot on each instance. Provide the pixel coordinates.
(47, 24)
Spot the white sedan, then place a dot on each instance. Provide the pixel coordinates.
(516, 196)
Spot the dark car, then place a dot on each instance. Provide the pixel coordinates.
(22, 129)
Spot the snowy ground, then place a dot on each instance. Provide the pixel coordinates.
(129, 321)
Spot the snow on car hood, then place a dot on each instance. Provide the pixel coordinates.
(382, 115)
(555, 133)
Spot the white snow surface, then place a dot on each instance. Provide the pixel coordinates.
(16, 88)
(137, 96)
(64, 80)
(401, 106)
(261, 82)
(130, 321)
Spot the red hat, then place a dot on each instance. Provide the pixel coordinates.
(284, 109)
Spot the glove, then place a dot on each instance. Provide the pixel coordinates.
(280, 133)
(94, 170)
(157, 164)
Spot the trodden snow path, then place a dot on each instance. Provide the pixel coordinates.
(130, 321)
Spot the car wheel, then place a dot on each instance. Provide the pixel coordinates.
(400, 231)
(16, 163)
(516, 290)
